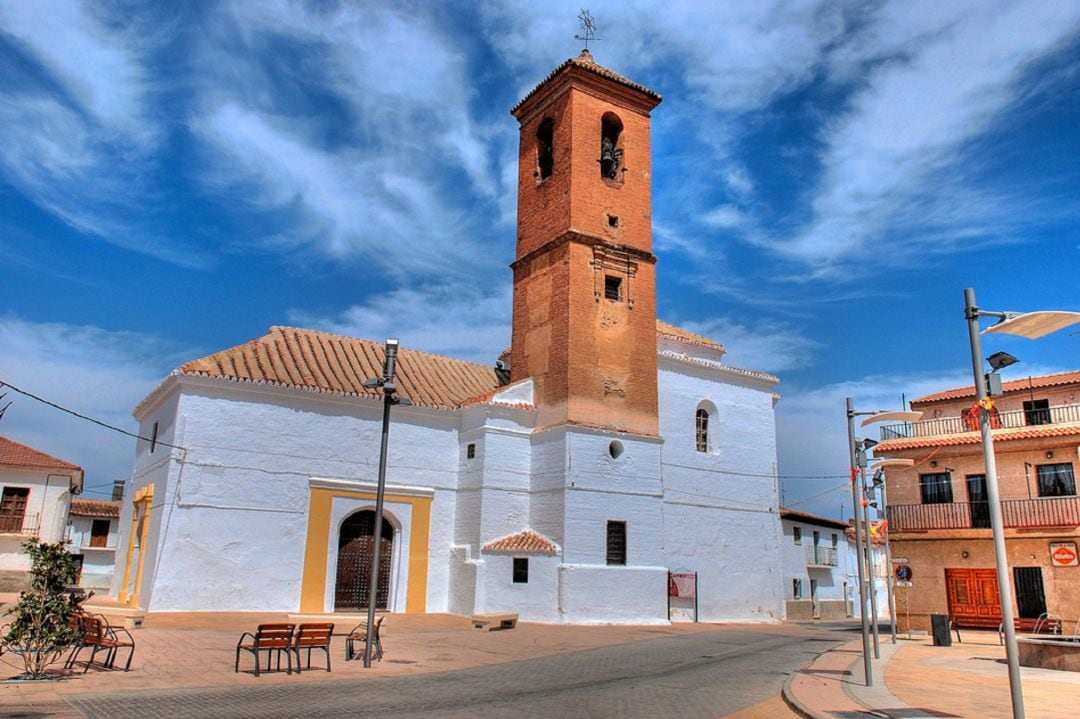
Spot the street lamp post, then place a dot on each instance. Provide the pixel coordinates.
(857, 454)
(389, 389)
(1031, 325)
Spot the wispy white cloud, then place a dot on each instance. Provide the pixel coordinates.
(404, 176)
(97, 372)
(452, 320)
(768, 346)
(944, 73)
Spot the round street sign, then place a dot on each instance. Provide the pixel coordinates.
(903, 573)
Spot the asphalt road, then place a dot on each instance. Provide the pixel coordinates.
(706, 675)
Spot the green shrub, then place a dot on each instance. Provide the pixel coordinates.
(40, 628)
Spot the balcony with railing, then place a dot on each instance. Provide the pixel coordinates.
(820, 556)
(968, 422)
(22, 524)
(1017, 514)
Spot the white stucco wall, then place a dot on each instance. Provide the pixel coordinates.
(46, 508)
(721, 513)
(98, 562)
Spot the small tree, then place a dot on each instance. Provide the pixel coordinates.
(40, 629)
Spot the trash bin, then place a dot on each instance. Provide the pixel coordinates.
(939, 625)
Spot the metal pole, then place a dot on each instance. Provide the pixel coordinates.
(888, 565)
(867, 670)
(971, 314)
(388, 400)
(868, 538)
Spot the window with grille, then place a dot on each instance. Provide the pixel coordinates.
(521, 570)
(1056, 480)
(702, 430)
(616, 543)
(470, 450)
(13, 508)
(936, 488)
(612, 287)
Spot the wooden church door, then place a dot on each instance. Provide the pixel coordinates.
(355, 547)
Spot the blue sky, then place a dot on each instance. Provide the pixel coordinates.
(175, 178)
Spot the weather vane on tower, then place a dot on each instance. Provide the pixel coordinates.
(588, 27)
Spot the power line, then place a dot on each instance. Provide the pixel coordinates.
(98, 422)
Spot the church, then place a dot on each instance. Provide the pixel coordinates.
(603, 456)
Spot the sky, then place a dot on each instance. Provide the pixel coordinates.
(828, 177)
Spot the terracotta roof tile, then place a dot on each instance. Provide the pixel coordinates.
(19, 455)
(678, 333)
(955, 440)
(1013, 385)
(526, 542)
(336, 364)
(95, 508)
(585, 62)
(795, 515)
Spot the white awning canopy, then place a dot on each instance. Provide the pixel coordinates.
(1034, 324)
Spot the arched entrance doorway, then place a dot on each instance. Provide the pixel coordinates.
(355, 547)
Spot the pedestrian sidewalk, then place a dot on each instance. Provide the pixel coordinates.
(914, 679)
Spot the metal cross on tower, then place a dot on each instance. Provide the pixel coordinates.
(588, 27)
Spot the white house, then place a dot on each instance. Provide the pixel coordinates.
(608, 450)
(92, 531)
(35, 491)
(820, 568)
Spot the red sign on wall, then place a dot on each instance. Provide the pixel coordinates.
(1063, 554)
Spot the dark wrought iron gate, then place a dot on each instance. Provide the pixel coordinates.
(355, 547)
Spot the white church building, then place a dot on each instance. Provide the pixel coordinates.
(605, 452)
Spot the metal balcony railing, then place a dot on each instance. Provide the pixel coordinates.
(1064, 414)
(1017, 513)
(820, 556)
(26, 524)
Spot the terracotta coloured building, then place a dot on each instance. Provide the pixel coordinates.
(940, 519)
(613, 449)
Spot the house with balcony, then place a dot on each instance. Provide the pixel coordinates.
(818, 567)
(92, 531)
(939, 513)
(35, 493)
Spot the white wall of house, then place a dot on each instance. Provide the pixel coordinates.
(46, 513)
(721, 506)
(98, 562)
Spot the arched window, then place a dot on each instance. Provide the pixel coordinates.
(702, 430)
(611, 151)
(545, 148)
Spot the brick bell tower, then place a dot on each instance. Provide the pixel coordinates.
(584, 325)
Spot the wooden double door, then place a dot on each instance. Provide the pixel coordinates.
(356, 545)
(973, 597)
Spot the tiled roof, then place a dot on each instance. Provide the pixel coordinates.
(526, 542)
(585, 62)
(1013, 385)
(798, 516)
(335, 364)
(19, 455)
(956, 440)
(678, 333)
(95, 508)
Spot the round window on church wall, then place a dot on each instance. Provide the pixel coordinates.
(615, 448)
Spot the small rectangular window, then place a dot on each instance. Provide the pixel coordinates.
(834, 541)
(470, 450)
(521, 570)
(796, 588)
(616, 543)
(612, 287)
(1037, 411)
(153, 437)
(936, 488)
(1056, 480)
(99, 533)
(796, 533)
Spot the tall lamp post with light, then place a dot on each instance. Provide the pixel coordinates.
(1026, 324)
(389, 389)
(857, 452)
(879, 482)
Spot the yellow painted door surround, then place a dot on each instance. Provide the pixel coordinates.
(137, 538)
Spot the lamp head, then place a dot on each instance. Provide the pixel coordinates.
(998, 360)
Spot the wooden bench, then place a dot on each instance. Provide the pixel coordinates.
(492, 622)
(97, 634)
